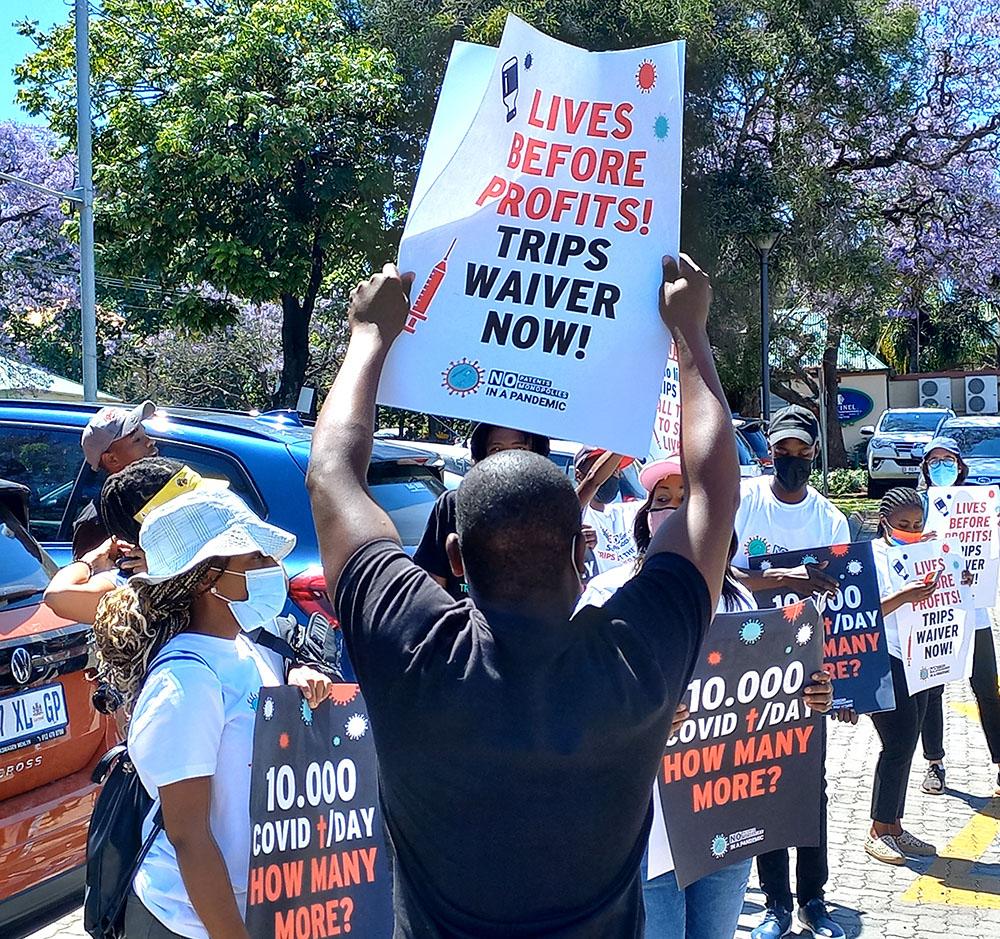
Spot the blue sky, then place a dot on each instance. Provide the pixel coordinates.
(14, 48)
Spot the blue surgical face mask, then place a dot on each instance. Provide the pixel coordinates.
(267, 591)
(942, 472)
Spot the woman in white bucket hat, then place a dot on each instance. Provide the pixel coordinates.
(174, 643)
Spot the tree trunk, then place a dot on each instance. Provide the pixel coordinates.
(836, 451)
(295, 320)
(294, 349)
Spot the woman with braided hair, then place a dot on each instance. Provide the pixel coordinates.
(126, 499)
(901, 521)
(174, 642)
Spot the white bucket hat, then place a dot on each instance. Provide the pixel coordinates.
(203, 524)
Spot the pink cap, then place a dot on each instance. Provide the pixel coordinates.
(658, 470)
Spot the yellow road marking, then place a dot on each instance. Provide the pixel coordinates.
(966, 709)
(951, 879)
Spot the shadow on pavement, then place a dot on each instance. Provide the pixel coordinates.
(29, 926)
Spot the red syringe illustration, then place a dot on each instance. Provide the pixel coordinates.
(426, 296)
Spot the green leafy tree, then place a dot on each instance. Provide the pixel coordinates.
(237, 144)
(818, 119)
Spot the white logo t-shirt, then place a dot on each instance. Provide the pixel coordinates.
(615, 541)
(764, 525)
(193, 719)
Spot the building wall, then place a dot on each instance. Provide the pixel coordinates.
(904, 391)
(873, 384)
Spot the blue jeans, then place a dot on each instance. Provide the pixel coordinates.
(708, 909)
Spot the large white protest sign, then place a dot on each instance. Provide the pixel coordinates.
(935, 635)
(536, 234)
(966, 520)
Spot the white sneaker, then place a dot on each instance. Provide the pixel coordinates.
(884, 849)
(908, 844)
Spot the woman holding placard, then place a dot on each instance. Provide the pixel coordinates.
(901, 522)
(174, 644)
(943, 467)
(711, 906)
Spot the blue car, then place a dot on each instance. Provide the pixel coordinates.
(264, 457)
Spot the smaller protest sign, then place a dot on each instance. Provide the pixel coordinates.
(318, 861)
(742, 776)
(666, 440)
(966, 520)
(936, 634)
(854, 650)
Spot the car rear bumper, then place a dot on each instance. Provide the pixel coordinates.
(43, 832)
(34, 907)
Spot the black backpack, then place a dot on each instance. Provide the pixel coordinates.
(115, 846)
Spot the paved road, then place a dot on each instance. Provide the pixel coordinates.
(956, 895)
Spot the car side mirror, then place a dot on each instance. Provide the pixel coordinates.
(868, 431)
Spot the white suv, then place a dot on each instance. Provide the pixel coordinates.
(890, 448)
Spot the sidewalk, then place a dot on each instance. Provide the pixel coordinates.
(956, 896)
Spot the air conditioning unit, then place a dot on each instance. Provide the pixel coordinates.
(981, 394)
(935, 393)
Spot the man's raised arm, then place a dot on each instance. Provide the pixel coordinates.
(702, 528)
(345, 514)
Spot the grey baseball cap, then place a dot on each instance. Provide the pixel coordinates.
(109, 425)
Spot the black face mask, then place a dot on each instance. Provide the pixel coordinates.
(792, 472)
(607, 491)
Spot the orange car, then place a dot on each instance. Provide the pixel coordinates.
(50, 735)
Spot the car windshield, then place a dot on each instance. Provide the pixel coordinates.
(758, 443)
(911, 421)
(24, 569)
(564, 461)
(977, 441)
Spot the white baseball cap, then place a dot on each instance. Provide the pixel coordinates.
(205, 523)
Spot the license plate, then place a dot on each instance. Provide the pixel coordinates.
(32, 716)
(910, 470)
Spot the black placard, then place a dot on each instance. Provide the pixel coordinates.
(854, 651)
(318, 862)
(742, 776)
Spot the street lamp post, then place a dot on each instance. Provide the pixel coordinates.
(88, 317)
(763, 243)
(82, 196)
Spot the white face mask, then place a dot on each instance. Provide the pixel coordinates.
(267, 591)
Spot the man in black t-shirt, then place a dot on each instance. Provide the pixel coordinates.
(517, 746)
(486, 440)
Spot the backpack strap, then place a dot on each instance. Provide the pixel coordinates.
(276, 644)
(181, 656)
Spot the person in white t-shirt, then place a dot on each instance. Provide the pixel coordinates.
(784, 513)
(942, 465)
(664, 481)
(900, 522)
(173, 643)
(611, 521)
(711, 906)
